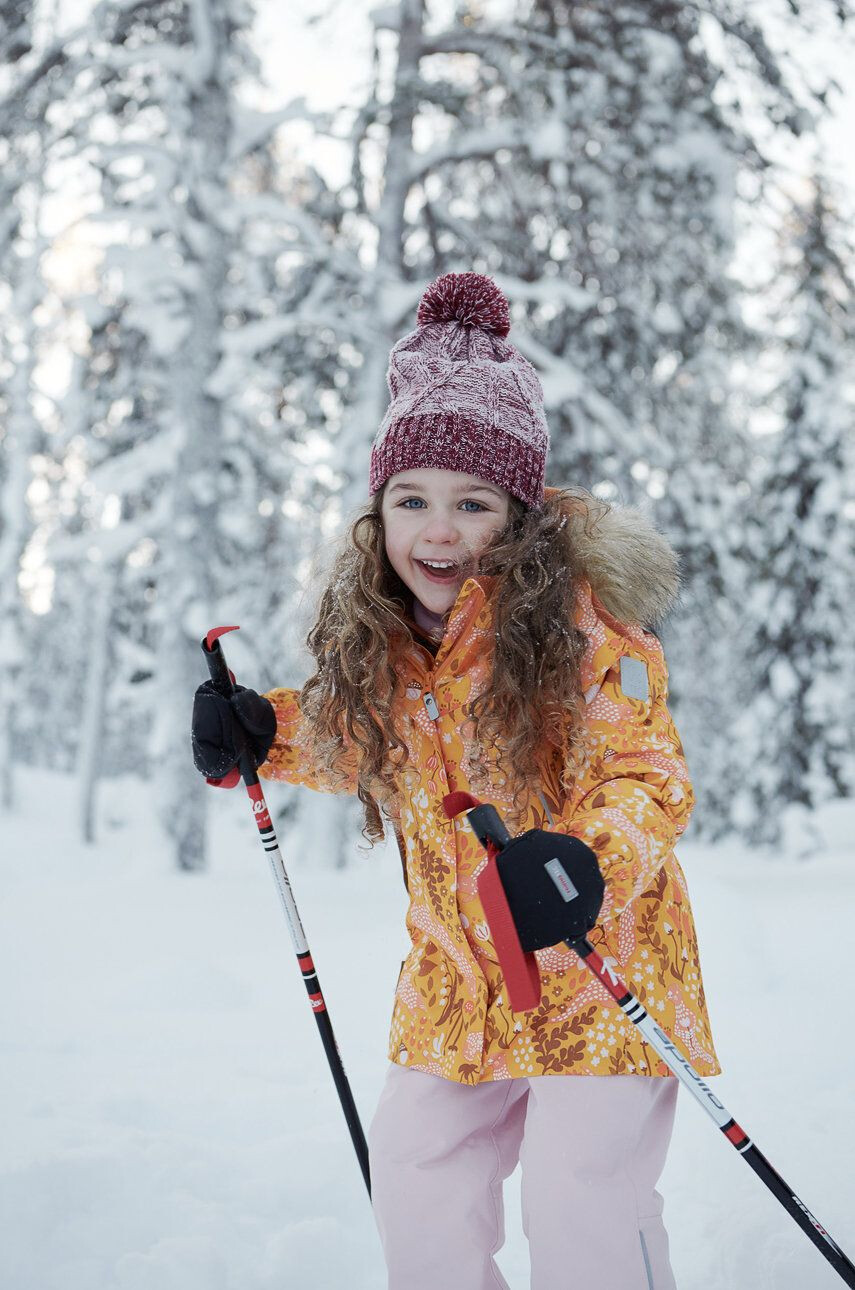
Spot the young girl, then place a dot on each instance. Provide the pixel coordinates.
(482, 633)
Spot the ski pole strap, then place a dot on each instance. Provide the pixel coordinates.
(519, 967)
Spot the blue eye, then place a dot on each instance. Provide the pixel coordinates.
(469, 501)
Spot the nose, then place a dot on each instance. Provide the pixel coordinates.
(440, 528)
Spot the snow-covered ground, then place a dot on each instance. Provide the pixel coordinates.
(168, 1120)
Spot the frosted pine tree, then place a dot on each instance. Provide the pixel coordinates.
(792, 743)
(211, 351)
(579, 154)
(290, 356)
(105, 548)
(27, 135)
(180, 487)
(702, 470)
(16, 20)
(214, 360)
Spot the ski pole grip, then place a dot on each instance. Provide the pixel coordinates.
(486, 822)
(219, 671)
(489, 826)
(224, 679)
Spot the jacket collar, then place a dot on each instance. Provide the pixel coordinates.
(471, 597)
(607, 638)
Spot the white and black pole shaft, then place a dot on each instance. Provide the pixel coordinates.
(492, 832)
(702, 1093)
(224, 679)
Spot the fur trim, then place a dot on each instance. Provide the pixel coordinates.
(631, 566)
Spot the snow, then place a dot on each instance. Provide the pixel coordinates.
(167, 1115)
(387, 15)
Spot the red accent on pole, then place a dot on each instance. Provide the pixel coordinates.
(736, 1134)
(305, 961)
(215, 633)
(615, 987)
(259, 806)
(317, 1002)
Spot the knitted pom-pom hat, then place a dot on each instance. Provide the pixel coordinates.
(462, 397)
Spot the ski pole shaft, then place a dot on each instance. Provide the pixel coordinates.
(224, 680)
(735, 1134)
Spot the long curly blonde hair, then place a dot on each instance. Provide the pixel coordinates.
(534, 692)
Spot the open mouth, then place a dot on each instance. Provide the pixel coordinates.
(439, 571)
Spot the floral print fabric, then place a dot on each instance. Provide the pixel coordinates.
(632, 799)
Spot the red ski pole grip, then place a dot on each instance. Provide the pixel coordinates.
(222, 675)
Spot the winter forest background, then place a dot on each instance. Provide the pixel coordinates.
(216, 219)
(203, 276)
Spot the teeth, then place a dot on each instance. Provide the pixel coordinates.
(439, 564)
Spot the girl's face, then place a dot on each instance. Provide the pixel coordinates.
(444, 516)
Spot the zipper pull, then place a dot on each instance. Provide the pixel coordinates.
(546, 809)
(432, 709)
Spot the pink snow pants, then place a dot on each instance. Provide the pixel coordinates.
(591, 1148)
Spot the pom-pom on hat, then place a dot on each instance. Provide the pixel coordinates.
(462, 397)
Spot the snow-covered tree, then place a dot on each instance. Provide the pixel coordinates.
(792, 743)
(215, 345)
(230, 353)
(27, 135)
(184, 476)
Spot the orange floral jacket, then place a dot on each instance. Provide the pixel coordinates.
(631, 800)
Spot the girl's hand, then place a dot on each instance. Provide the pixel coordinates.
(223, 728)
(553, 885)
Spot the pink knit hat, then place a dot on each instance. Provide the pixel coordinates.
(463, 398)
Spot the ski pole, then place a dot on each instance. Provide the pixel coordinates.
(224, 680)
(491, 832)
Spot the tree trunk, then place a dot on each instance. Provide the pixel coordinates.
(89, 760)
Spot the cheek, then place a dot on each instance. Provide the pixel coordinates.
(486, 534)
(395, 543)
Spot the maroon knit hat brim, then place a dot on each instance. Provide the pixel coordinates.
(453, 441)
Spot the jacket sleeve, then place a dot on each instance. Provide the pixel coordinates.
(641, 798)
(290, 758)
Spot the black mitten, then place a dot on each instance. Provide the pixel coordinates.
(224, 728)
(553, 887)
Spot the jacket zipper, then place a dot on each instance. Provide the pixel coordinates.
(546, 808)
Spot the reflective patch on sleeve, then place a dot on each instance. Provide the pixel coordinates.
(633, 678)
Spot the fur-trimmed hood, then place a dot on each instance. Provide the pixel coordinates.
(632, 568)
